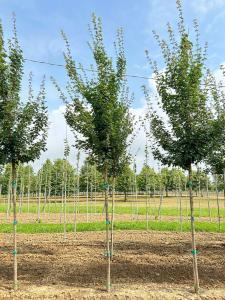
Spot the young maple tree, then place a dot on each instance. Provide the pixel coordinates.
(189, 130)
(23, 125)
(99, 110)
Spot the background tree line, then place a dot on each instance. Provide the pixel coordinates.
(51, 178)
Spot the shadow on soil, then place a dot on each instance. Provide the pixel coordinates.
(83, 264)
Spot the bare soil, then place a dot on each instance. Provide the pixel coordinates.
(146, 265)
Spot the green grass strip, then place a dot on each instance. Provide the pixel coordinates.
(153, 211)
(100, 226)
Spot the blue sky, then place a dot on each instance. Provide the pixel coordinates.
(39, 23)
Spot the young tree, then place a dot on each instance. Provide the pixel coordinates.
(216, 159)
(189, 130)
(171, 178)
(57, 180)
(124, 181)
(99, 110)
(147, 178)
(23, 125)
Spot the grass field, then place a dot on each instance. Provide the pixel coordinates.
(100, 226)
(123, 209)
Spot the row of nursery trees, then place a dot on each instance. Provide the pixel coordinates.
(52, 177)
(192, 130)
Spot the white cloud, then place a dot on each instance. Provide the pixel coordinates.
(204, 6)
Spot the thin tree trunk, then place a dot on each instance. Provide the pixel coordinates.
(9, 196)
(108, 253)
(14, 226)
(87, 194)
(39, 197)
(218, 203)
(64, 203)
(208, 199)
(76, 201)
(194, 252)
(28, 192)
(95, 192)
(112, 217)
(180, 200)
(224, 186)
(146, 189)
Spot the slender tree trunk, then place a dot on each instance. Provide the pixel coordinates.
(112, 217)
(39, 197)
(20, 193)
(180, 200)
(167, 193)
(87, 195)
(146, 204)
(76, 202)
(218, 203)
(125, 196)
(160, 203)
(9, 196)
(64, 204)
(224, 186)
(14, 226)
(108, 253)
(194, 252)
(95, 193)
(136, 195)
(28, 192)
(208, 199)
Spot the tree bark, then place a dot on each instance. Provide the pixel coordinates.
(224, 186)
(194, 252)
(112, 217)
(125, 196)
(218, 203)
(108, 253)
(15, 284)
(208, 199)
(167, 192)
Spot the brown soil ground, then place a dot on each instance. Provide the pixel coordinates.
(146, 265)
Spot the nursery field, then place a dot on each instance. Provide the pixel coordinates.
(152, 248)
(144, 208)
(146, 265)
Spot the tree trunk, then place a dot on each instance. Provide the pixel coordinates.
(112, 217)
(167, 193)
(87, 195)
(77, 196)
(208, 200)
(125, 196)
(39, 197)
(14, 226)
(64, 203)
(218, 203)
(224, 186)
(108, 253)
(194, 252)
(28, 193)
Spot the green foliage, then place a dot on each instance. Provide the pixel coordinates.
(216, 159)
(99, 111)
(54, 177)
(26, 179)
(147, 180)
(125, 181)
(173, 179)
(190, 130)
(23, 125)
(90, 177)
